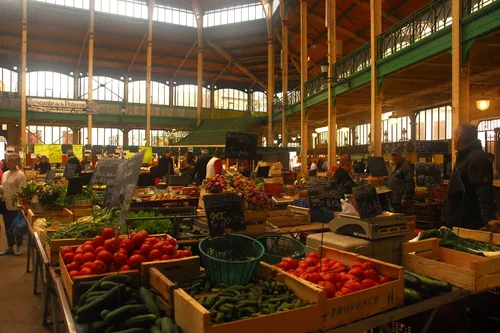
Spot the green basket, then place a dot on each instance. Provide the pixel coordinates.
(230, 259)
(278, 247)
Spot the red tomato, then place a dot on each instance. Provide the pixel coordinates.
(88, 243)
(188, 253)
(120, 259)
(369, 265)
(135, 252)
(329, 288)
(78, 258)
(325, 261)
(314, 277)
(98, 241)
(384, 279)
(98, 267)
(292, 263)
(330, 277)
(357, 264)
(99, 249)
(105, 256)
(171, 241)
(85, 271)
(311, 261)
(305, 276)
(125, 268)
(304, 264)
(358, 272)
(88, 257)
(344, 277)
(325, 268)
(314, 255)
(86, 265)
(312, 269)
(159, 245)
(152, 240)
(368, 283)
(154, 254)
(177, 255)
(73, 266)
(108, 233)
(127, 244)
(145, 249)
(74, 273)
(137, 240)
(69, 257)
(169, 249)
(135, 261)
(337, 266)
(119, 239)
(79, 250)
(66, 249)
(112, 267)
(123, 251)
(143, 234)
(353, 285)
(88, 248)
(300, 270)
(371, 274)
(110, 245)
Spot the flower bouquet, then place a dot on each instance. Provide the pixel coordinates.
(217, 184)
(300, 184)
(25, 196)
(53, 195)
(255, 199)
(241, 183)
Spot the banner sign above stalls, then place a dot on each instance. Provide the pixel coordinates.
(57, 105)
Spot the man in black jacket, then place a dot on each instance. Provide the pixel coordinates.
(469, 200)
(401, 182)
(344, 175)
(200, 167)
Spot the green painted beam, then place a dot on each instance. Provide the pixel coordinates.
(481, 22)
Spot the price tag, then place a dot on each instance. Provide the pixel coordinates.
(241, 145)
(224, 211)
(367, 201)
(323, 192)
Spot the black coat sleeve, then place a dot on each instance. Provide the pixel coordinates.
(409, 183)
(480, 173)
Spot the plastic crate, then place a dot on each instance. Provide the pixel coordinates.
(304, 203)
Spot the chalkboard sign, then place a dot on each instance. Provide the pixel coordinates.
(241, 145)
(377, 166)
(126, 174)
(224, 211)
(367, 201)
(428, 178)
(105, 171)
(323, 192)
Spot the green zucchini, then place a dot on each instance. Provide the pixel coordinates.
(148, 300)
(412, 281)
(99, 326)
(433, 285)
(154, 329)
(107, 285)
(412, 296)
(124, 312)
(95, 307)
(144, 321)
(166, 325)
(104, 313)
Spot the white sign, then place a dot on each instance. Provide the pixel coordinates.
(56, 105)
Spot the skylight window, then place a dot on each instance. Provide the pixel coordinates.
(236, 14)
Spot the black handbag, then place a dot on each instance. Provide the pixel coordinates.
(3, 207)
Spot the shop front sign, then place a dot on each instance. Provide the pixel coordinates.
(57, 105)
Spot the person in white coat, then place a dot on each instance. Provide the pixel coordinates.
(214, 166)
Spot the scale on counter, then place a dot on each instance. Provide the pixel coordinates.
(282, 200)
(383, 226)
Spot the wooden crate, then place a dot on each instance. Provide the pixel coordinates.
(194, 318)
(255, 216)
(290, 217)
(71, 283)
(162, 276)
(364, 303)
(461, 269)
(62, 215)
(479, 235)
(82, 211)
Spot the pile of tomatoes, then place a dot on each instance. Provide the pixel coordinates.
(333, 276)
(108, 253)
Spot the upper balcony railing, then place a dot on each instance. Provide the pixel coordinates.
(316, 84)
(472, 6)
(355, 61)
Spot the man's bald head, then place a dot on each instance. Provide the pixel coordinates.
(13, 160)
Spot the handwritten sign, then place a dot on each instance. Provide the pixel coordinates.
(55, 153)
(126, 174)
(323, 192)
(428, 177)
(78, 150)
(42, 150)
(148, 154)
(224, 211)
(241, 145)
(367, 201)
(105, 171)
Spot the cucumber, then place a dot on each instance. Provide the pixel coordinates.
(107, 285)
(104, 313)
(433, 285)
(166, 325)
(124, 312)
(99, 326)
(154, 329)
(94, 308)
(144, 321)
(117, 278)
(412, 281)
(90, 299)
(412, 296)
(148, 300)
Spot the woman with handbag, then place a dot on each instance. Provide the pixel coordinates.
(12, 182)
